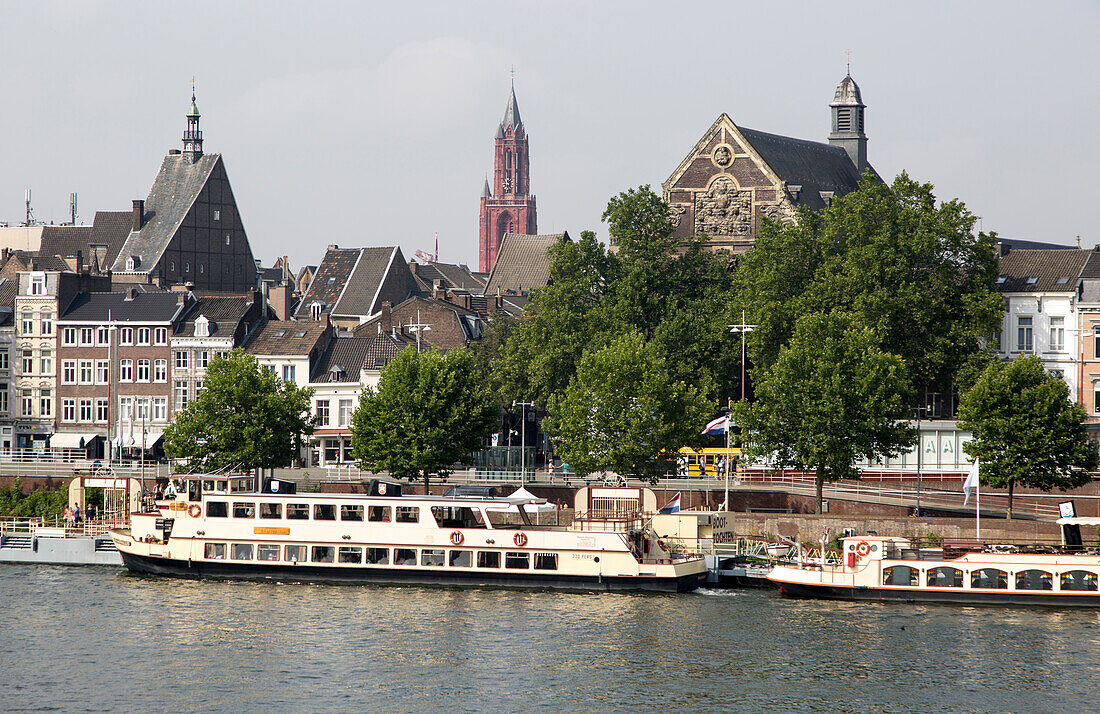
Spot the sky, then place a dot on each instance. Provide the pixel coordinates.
(371, 124)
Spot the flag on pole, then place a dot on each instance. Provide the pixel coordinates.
(971, 481)
(717, 426)
(673, 505)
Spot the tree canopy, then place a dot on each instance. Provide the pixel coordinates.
(622, 411)
(830, 398)
(894, 260)
(429, 411)
(244, 417)
(1025, 429)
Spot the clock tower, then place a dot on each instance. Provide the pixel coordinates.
(507, 205)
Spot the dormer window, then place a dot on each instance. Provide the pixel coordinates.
(38, 284)
(1001, 280)
(217, 215)
(132, 263)
(337, 374)
(202, 327)
(315, 309)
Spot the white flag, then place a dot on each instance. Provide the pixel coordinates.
(971, 481)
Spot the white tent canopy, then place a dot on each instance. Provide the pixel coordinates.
(530, 502)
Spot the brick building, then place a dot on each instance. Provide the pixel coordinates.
(508, 206)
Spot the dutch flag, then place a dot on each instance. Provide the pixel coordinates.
(673, 505)
(717, 426)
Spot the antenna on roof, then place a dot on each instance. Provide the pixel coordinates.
(436, 258)
(72, 208)
(849, 53)
(29, 221)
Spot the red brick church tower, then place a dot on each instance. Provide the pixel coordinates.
(508, 206)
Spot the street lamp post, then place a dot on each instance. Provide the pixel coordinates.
(744, 329)
(920, 451)
(523, 439)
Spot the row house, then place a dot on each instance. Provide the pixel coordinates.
(216, 325)
(1088, 326)
(346, 367)
(1040, 289)
(44, 291)
(291, 350)
(8, 289)
(113, 358)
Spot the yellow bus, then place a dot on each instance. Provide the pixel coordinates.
(708, 461)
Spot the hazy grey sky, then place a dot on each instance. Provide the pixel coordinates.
(372, 124)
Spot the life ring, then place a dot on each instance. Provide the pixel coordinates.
(863, 549)
(661, 545)
(520, 539)
(456, 538)
(195, 510)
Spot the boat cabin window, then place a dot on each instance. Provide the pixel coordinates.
(241, 551)
(215, 551)
(271, 510)
(297, 511)
(294, 553)
(378, 556)
(1078, 580)
(244, 510)
(323, 554)
(488, 559)
(267, 551)
(461, 558)
(242, 485)
(989, 578)
(945, 577)
(899, 575)
(546, 561)
(457, 517)
(212, 486)
(1034, 580)
(217, 509)
(404, 556)
(351, 513)
(194, 490)
(378, 514)
(324, 512)
(351, 554)
(516, 561)
(431, 556)
(408, 514)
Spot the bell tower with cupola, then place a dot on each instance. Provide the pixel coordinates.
(192, 136)
(847, 108)
(507, 206)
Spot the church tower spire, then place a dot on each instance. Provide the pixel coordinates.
(508, 206)
(192, 136)
(847, 109)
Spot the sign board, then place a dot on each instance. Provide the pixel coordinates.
(496, 439)
(1066, 509)
(200, 441)
(96, 482)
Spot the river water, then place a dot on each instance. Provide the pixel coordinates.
(105, 640)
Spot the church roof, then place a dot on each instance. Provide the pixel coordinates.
(485, 191)
(847, 93)
(178, 184)
(810, 165)
(110, 228)
(511, 116)
(522, 262)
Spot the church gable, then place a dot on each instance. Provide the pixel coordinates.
(723, 188)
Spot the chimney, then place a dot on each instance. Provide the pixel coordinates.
(138, 214)
(131, 293)
(385, 318)
(437, 289)
(413, 266)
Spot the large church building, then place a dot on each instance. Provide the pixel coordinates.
(735, 177)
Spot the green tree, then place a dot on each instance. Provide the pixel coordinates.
(898, 262)
(622, 412)
(1026, 430)
(830, 398)
(430, 411)
(245, 417)
(39, 503)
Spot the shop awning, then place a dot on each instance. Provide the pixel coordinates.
(71, 441)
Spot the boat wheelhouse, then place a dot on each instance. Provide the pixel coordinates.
(884, 569)
(222, 527)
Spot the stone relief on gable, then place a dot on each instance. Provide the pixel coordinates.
(676, 214)
(722, 210)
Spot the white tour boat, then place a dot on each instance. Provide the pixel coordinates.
(219, 527)
(884, 569)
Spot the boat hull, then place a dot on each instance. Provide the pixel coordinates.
(960, 597)
(154, 565)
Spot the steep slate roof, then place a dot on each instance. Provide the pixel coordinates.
(453, 276)
(383, 348)
(522, 262)
(1046, 270)
(110, 228)
(812, 165)
(286, 337)
(142, 307)
(223, 311)
(347, 352)
(349, 281)
(363, 284)
(1091, 269)
(174, 191)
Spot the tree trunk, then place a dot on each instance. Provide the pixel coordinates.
(426, 477)
(820, 481)
(1010, 485)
